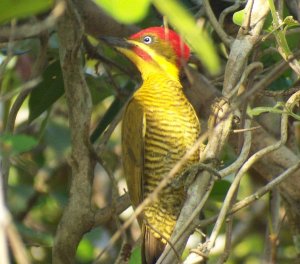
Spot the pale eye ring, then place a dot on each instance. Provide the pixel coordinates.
(147, 39)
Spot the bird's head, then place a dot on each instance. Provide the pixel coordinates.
(154, 49)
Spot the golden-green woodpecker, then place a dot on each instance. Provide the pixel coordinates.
(159, 127)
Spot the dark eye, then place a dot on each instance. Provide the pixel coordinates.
(147, 39)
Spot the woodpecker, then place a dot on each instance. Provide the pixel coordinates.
(159, 126)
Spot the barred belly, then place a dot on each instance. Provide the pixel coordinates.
(172, 128)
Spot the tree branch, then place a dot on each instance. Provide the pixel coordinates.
(78, 216)
(227, 40)
(231, 192)
(240, 51)
(257, 195)
(275, 162)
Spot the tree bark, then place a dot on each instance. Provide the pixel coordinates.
(78, 216)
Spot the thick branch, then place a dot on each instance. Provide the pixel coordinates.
(272, 164)
(280, 179)
(242, 46)
(240, 51)
(78, 217)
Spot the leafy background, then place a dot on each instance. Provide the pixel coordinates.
(39, 150)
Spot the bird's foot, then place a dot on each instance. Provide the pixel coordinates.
(208, 165)
(219, 109)
(219, 105)
(188, 176)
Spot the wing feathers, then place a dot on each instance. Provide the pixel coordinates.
(133, 134)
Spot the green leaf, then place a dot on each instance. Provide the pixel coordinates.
(22, 8)
(15, 144)
(57, 136)
(85, 250)
(47, 92)
(283, 82)
(136, 257)
(238, 17)
(125, 11)
(109, 115)
(100, 89)
(186, 25)
(220, 190)
(111, 112)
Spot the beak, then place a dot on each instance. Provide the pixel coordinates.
(124, 46)
(117, 42)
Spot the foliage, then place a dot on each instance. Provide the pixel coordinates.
(22, 8)
(126, 11)
(37, 143)
(16, 144)
(47, 92)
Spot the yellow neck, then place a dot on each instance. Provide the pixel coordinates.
(148, 69)
(157, 65)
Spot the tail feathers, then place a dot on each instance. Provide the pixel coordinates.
(152, 247)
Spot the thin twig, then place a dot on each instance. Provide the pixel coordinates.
(272, 231)
(21, 89)
(254, 66)
(228, 240)
(283, 47)
(286, 92)
(234, 167)
(246, 166)
(220, 31)
(268, 79)
(247, 20)
(255, 196)
(245, 129)
(17, 246)
(8, 232)
(3, 223)
(227, 11)
(263, 190)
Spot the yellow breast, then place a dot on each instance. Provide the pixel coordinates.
(172, 127)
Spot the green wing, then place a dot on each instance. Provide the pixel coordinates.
(133, 135)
